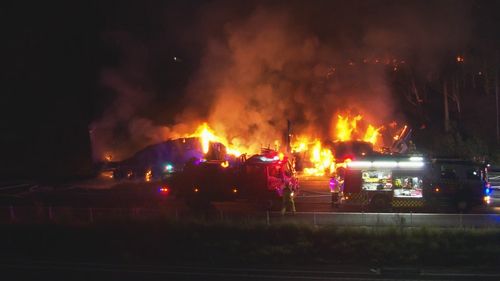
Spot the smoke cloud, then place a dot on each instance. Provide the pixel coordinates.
(270, 62)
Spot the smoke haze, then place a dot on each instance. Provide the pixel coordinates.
(263, 63)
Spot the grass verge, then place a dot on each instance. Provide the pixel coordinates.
(237, 243)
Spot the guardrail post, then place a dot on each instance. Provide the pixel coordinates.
(12, 213)
(91, 215)
(314, 218)
(267, 218)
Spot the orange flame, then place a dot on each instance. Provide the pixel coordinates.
(321, 158)
(207, 135)
(148, 176)
(372, 134)
(345, 127)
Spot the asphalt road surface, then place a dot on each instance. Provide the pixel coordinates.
(58, 270)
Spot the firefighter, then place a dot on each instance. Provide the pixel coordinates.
(288, 198)
(412, 149)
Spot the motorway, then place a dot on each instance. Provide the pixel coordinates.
(64, 270)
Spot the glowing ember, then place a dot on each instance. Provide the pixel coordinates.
(148, 176)
(108, 157)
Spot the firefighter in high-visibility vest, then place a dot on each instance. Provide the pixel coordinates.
(288, 198)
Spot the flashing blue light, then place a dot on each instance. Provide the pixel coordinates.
(487, 191)
(169, 167)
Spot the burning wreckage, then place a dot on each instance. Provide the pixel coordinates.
(203, 167)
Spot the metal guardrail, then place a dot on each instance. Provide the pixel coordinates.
(400, 219)
(66, 215)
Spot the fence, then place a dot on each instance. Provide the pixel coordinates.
(68, 215)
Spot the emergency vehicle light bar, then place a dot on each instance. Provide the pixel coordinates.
(385, 164)
(266, 159)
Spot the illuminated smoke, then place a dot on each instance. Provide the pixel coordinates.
(270, 62)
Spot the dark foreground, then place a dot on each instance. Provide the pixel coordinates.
(206, 250)
(58, 270)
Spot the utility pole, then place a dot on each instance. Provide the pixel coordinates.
(446, 111)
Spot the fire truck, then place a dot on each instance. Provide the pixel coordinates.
(263, 176)
(259, 179)
(386, 182)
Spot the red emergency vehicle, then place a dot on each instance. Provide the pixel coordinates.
(260, 178)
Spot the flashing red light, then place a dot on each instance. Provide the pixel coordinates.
(348, 158)
(164, 190)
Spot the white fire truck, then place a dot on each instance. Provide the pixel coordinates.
(385, 182)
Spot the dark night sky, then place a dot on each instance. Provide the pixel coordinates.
(54, 55)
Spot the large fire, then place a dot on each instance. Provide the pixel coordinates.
(319, 155)
(346, 128)
(321, 158)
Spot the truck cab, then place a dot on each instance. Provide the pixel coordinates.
(456, 182)
(263, 176)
